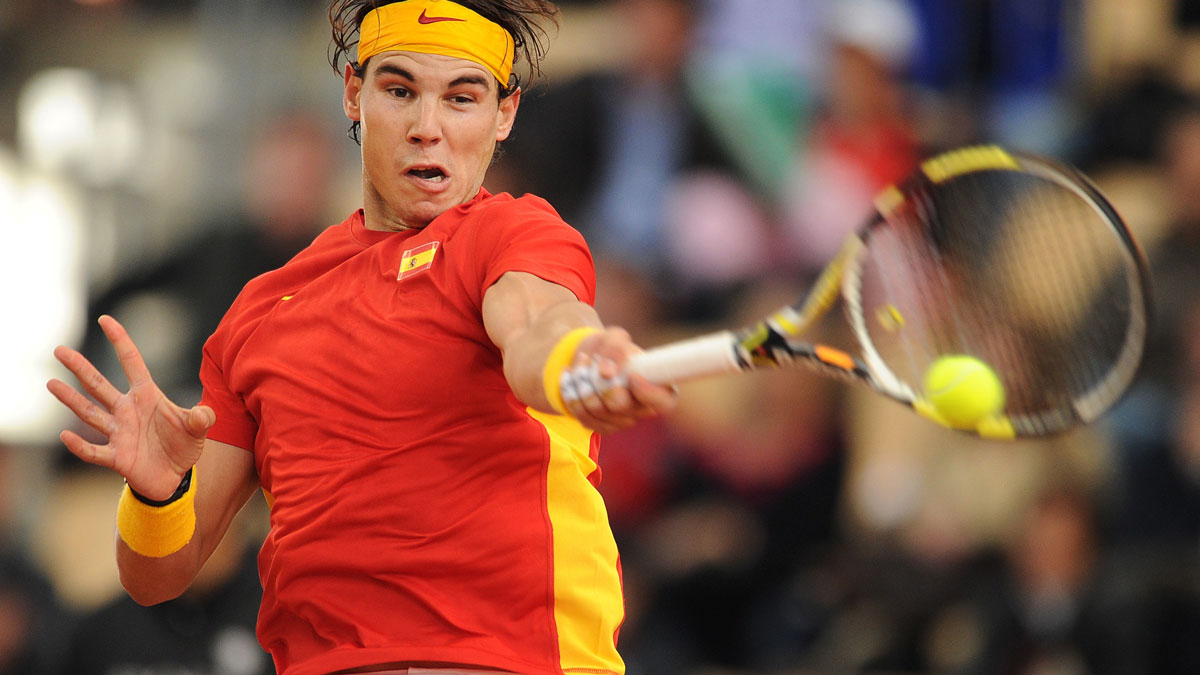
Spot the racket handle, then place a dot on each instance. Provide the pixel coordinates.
(704, 356)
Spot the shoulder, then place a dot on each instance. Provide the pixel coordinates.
(526, 234)
(504, 205)
(499, 217)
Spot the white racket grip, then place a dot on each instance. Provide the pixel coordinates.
(703, 356)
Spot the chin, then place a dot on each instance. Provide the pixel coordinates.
(425, 211)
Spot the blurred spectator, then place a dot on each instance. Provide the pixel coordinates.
(33, 621)
(1051, 608)
(863, 138)
(1158, 489)
(209, 629)
(174, 306)
(1063, 600)
(1187, 437)
(608, 148)
(1001, 70)
(1044, 599)
(1159, 478)
(1174, 259)
(1127, 124)
(754, 73)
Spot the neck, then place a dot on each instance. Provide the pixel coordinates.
(379, 215)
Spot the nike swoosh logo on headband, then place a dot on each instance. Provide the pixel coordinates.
(434, 19)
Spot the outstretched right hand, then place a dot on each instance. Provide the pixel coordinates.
(151, 441)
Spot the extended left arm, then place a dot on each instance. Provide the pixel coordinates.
(527, 316)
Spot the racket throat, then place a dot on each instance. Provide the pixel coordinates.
(766, 346)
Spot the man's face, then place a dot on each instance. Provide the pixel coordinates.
(429, 127)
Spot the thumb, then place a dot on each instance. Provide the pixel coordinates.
(199, 420)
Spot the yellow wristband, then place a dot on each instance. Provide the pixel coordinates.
(157, 531)
(561, 357)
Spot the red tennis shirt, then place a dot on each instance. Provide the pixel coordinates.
(419, 511)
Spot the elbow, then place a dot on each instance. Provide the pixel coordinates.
(145, 600)
(151, 591)
(149, 581)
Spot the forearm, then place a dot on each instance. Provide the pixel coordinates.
(157, 543)
(525, 360)
(160, 549)
(532, 320)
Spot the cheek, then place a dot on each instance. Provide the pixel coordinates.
(381, 135)
(478, 140)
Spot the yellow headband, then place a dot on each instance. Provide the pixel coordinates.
(437, 27)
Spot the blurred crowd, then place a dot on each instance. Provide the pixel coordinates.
(714, 153)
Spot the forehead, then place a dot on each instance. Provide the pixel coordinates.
(431, 68)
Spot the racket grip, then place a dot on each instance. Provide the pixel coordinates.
(704, 356)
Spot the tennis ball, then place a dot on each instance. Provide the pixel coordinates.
(963, 390)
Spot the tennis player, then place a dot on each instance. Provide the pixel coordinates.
(394, 391)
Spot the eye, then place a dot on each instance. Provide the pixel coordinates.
(462, 99)
(399, 92)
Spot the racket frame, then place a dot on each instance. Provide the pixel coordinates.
(775, 341)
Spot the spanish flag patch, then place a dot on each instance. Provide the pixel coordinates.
(417, 259)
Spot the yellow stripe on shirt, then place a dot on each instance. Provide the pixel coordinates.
(588, 605)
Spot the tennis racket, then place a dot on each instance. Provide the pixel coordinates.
(1008, 258)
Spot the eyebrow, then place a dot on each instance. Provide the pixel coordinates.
(389, 69)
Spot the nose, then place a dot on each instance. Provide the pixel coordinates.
(426, 127)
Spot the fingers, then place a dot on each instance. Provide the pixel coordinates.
(87, 412)
(100, 455)
(127, 352)
(656, 399)
(595, 399)
(98, 417)
(596, 392)
(89, 377)
(199, 420)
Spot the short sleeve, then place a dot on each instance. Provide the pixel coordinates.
(235, 425)
(527, 235)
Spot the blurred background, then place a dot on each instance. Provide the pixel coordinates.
(156, 154)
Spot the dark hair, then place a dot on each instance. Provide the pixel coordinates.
(523, 19)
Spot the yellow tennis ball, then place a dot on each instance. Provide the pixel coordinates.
(963, 390)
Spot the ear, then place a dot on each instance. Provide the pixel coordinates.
(351, 93)
(507, 114)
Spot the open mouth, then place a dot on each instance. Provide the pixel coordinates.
(433, 174)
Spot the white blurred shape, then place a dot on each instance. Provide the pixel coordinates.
(182, 87)
(888, 492)
(116, 147)
(185, 100)
(56, 118)
(70, 122)
(885, 28)
(10, 178)
(43, 305)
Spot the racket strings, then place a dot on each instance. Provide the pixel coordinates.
(1069, 295)
(1020, 270)
(938, 252)
(1050, 253)
(914, 269)
(1033, 258)
(900, 261)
